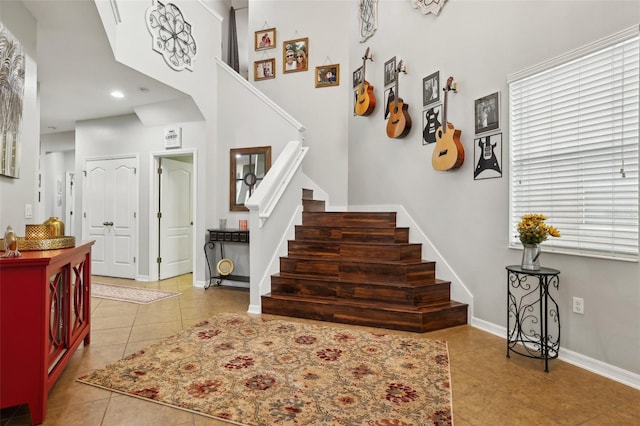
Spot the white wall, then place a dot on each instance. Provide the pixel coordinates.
(16, 193)
(323, 111)
(123, 136)
(478, 43)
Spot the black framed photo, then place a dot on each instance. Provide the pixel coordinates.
(487, 154)
(431, 89)
(390, 71)
(357, 77)
(487, 113)
(389, 96)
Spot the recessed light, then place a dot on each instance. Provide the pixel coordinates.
(117, 94)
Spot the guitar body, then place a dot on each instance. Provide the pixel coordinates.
(399, 122)
(448, 153)
(366, 102)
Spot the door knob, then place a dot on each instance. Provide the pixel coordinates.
(107, 223)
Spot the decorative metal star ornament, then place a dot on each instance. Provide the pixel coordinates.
(171, 35)
(428, 6)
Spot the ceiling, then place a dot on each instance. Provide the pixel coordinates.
(77, 70)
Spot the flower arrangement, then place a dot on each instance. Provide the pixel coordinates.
(533, 230)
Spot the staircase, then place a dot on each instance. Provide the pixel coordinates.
(359, 268)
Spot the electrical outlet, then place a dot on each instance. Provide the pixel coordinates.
(578, 305)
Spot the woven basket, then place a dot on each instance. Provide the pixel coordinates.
(46, 244)
(37, 232)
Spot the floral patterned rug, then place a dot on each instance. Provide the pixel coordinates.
(250, 370)
(125, 293)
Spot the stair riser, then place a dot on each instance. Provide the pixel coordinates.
(313, 206)
(389, 252)
(408, 321)
(350, 219)
(358, 235)
(373, 293)
(345, 270)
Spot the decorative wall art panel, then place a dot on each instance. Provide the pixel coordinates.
(368, 18)
(11, 101)
(171, 35)
(428, 6)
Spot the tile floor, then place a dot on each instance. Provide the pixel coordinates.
(488, 388)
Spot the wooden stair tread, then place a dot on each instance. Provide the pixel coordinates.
(434, 282)
(358, 260)
(432, 307)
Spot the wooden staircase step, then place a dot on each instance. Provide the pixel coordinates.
(360, 270)
(416, 319)
(394, 293)
(348, 250)
(352, 234)
(313, 205)
(351, 219)
(307, 194)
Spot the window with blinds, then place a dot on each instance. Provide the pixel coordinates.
(574, 147)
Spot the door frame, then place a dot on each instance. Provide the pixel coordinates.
(154, 199)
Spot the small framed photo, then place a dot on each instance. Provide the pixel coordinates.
(357, 77)
(295, 55)
(431, 89)
(390, 71)
(487, 113)
(264, 69)
(328, 75)
(265, 39)
(487, 157)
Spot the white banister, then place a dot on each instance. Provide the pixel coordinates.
(266, 196)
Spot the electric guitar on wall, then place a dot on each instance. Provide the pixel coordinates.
(366, 100)
(448, 153)
(399, 122)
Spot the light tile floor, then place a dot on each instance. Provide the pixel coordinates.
(488, 388)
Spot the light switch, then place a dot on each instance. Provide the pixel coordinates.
(28, 211)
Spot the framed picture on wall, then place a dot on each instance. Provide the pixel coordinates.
(487, 157)
(487, 113)
(264, 69)
(295, 55)
(357, 77)
(328, 75)
(265, 39)
(390, 71)
(431, 89)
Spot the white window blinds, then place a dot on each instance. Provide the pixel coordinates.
(574, 148)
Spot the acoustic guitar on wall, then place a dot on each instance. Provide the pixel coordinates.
(448, 153)
(399, 122)
(366, 100)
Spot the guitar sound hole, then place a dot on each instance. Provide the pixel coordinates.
(443, 152)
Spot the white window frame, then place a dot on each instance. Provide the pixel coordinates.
(552, 131)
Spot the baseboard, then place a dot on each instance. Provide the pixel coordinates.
(590, 364)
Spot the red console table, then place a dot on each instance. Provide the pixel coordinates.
(45, 314)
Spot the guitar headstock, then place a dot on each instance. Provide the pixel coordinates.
(367, 55)
(451, 85)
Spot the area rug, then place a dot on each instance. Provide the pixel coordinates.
(129, 294)
(255, 371)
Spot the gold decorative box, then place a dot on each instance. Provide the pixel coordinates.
(37, 232)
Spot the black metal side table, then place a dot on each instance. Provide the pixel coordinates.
(223, 236)
(533, 320)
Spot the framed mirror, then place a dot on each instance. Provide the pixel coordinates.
(247, 169)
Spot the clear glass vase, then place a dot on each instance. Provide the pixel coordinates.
(531, 257)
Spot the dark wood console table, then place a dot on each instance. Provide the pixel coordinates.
(222, 237)
(533, 319)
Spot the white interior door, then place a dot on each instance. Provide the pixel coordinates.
(176, 218)
(110, 198)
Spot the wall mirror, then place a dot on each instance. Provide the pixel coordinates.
(247, 169)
